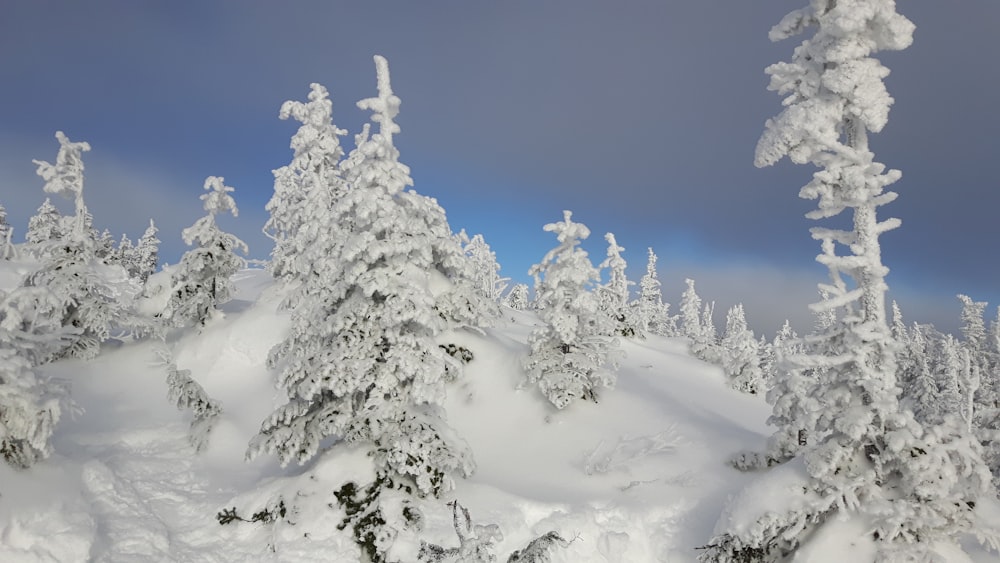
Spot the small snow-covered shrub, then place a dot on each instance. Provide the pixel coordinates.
(476, 541)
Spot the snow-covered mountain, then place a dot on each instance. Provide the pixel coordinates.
(641, 476)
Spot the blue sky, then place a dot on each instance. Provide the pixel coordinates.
(640, 116)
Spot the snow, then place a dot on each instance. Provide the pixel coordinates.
(125, 485)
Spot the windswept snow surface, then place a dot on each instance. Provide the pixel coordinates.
(640, 477)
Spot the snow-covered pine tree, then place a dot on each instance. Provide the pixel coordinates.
(6, 236)
(202, 279)
(975, 340)
(187, 394)
(96, 297)
(653, 315)
(768, 363)
(29, 411)
(517, 297)
(779, 346)
(305, 189)
(697, 325)
(949, 376)
(362, 363)
(44, 226)
(65, 178)
(105, 249)
(146, 255)
(125, 253)
(913, 486)
(917, 378)
(613, 297)
(786, 340)
(983, 361)
(741, 353)
(899, 332)
(968, 384)
(30, 405)
(973, 323)
(571, 355)
(691, 312)
(486, 270)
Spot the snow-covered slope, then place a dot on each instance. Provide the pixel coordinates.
(639, 477)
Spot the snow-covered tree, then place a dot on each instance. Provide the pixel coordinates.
(105, 248)
(652, 314)
(866, 456)
(486, 270)
(691, 312)
(29, 412)
(96, 297)
(187, 394)
(571, 355)
(950, 375)
(613, 297)
(146, 255)
(976, 341)
(980, 348)
(6, 236)
(697, 325)
(30, 405)
(917, 378)
(4, 226)
(899, 332)
(65, 177)
(202, 279)
(741, 353)
(517, 297)
(973, 323)
(362, 363)
(768, 362)
(783, 344)
(124, 251)
(44, 226)
(305, 189)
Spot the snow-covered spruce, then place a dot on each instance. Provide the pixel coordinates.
(486, 270)
(613, 297)
(982, 350)
(652, 314)
(870, 458)
(362, 363)
(30, 408)
(698, 327)
(741, 353)
(30, 405)
(96, 296)
(202, 279)
(142, 260)
(571, 355)
(305, 190)
(7, 250)
(43, 226)
(186, 394)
